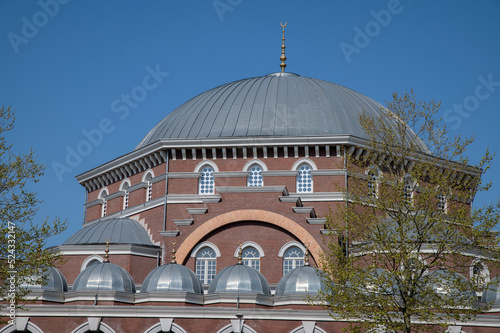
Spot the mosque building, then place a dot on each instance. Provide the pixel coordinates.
(214, 222)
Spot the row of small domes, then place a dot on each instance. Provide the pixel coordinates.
(237, 278)
(175, 277)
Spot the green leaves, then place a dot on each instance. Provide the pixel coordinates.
(22, 240)
(405, 248)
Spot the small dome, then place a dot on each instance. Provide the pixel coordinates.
(450, 284)
(104, 276)
(118, 230)
(300, 281)
(239, 279)
(172, 277)
(492, 293)
(55, 280)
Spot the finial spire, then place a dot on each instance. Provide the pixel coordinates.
(283, 56)
(306, 256)
(173, 253)
(240, 259)
(106, 251)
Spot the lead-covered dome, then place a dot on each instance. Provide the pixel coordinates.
(278, 104)
(54, 280)
(300, 281)
(104, 276)
(172, 277)
(117, 230)
(239, 279)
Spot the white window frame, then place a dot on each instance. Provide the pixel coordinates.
(148, 176)
(194, 255)
(199, 168)
(89, 260)
(104, 206)
(373, 181)
(408, 180)
(253, 245)
(284, 249)
(484, 273)
(298, 179)
(124, 187)
(248, 168)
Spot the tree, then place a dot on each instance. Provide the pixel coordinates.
(23, 241)
(401, 245)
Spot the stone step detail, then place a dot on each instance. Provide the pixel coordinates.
(183, 221)
(305, 210)
(316, 220)
(197, 211)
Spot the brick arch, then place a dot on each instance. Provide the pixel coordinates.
(248, 215)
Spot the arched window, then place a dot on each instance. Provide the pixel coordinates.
(255, 176)
(479, 272)
(92, 260)
(408, 189)
(124, 187)
(149, 185)
(104, 206)
(293, 258)
(442, 203)
(304, 182)
(207, 182)
(373, 174)
(206, 264)
(251, 257)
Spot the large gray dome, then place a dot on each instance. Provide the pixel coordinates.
(278, 104)
(117, 230)
(104, 276)
(300, 281)
(172, 277)
(239, 279)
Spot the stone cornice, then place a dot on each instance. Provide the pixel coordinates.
(127, 249)
(252, 189)
(198, 312)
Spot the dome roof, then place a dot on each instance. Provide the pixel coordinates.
(492, 293)
(300, 281)
(278, 104)
(118, 230)
(55, 280)
(450, 284)
(239, 279)
(172, 277)
(104, 276)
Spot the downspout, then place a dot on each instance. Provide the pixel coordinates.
(85, 208)
(345, 202)
(166, 192)
(164, 207)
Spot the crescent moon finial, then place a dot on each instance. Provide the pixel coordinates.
(106, 251)
(283, 56)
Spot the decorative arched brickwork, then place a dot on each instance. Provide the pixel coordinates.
(248, 215)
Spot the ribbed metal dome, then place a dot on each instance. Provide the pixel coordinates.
(450, 284)
(104, 276)
(118, 230)
(300, 281)
(55, 280)
(239, 279)
(278, 104)
(492, 293)
(172, 277)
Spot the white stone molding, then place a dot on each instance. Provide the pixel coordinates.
(205, 244)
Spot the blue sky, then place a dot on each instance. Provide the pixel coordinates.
(66, 65)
